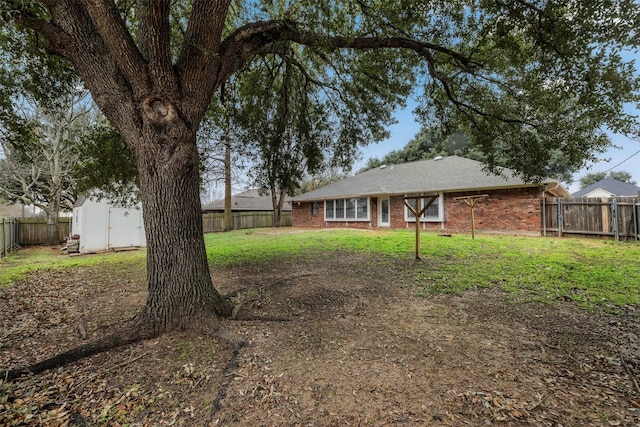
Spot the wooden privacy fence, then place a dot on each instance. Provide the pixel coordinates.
(8, 234)
(16, 232)
(34, 232)
(27, 231)
(605, 217)
(242, 220)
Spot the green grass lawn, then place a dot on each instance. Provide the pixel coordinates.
(588, 271)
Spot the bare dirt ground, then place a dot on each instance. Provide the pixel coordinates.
(360, 348)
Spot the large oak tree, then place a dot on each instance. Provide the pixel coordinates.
(529, 75)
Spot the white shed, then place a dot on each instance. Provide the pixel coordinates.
(103, 226)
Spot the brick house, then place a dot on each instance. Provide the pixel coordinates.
(375, 199)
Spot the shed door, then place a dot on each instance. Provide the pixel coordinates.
(123, 227)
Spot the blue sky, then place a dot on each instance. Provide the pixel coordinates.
(407, 127)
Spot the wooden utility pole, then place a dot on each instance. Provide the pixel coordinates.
(471, 202)
(418, 213)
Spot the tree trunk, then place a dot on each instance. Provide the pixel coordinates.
(53, 225)
(277, 215)
(181, 293)
(276, 206)
(281, 198)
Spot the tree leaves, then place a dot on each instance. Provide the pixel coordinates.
(107, 167)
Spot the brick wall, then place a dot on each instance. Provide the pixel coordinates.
(302, 216)
(512, 210)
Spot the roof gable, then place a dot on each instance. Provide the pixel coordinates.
(447, 174)
(611, 186)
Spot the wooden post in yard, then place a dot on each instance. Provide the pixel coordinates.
(417, 212)
(4, 240)
(605, 215)
(471, 202)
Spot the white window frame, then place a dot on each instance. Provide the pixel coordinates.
(344, 210)
(424, 218)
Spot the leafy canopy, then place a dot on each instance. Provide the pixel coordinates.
(528, 81)
(428, 143)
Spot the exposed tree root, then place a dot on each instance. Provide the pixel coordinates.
(239, 314)
(261, 318)
(141, 328)
(137, 330)
(229, 376)
(630, 373)
(237, 307)
(120, 338)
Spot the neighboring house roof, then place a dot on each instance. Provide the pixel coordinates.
(249, 200)
(611, 186)
(447, 174)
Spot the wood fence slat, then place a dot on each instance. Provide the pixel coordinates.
(34, 232)
(213, 222)
(617, 217)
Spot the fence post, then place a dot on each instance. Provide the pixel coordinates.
(605, 209)
(12, 234)
(14, 238)
(560, 219)
(4, 239)
(544, 216)
(634, 215)
(615, 219)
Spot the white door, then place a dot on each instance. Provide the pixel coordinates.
(384, 213)
(124, 227)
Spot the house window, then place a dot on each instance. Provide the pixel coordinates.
(434, 213)
(339, 209)
(329, 209)
(314, 208)
(351, 209)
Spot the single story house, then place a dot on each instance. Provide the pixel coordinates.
(247, 201)
(608, 187)
(376, 198)
(102, 226)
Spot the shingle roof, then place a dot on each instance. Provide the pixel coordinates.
(249, 200)
(613, 186)
(446, 174)
(79, 201)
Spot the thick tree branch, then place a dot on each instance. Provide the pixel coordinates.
(159, 47)
(119, 43)
(256, 37)
(199, 60)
